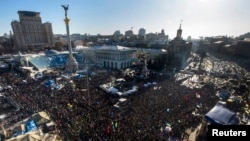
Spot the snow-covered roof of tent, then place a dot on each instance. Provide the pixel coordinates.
(113, 47)
(51, 52)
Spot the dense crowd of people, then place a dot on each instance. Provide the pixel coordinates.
(90, 114)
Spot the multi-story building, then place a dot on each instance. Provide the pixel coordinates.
(142, 33)
(162, 38)
(129, 33)
(117, 36)
(106, 56)
(30, 32)
(114, 57)
(179, 50)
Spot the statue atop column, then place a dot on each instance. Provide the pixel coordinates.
(71, 64)
(65, 7)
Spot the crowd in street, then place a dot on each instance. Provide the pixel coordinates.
(90, 114)
(83, 111)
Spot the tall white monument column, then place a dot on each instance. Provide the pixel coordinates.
(71, 64)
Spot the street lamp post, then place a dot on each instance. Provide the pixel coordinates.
(88, 88)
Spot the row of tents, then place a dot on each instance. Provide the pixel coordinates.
(29, 130)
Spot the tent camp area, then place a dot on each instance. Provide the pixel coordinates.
(221, 115)
(119, 87)
(34, 136)
(38, 127)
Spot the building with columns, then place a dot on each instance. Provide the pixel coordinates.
(113, 57)
(109, 57)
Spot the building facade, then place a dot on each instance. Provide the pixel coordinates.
(114, 57)
(142, 33)
(30, 32)
(179, 50)
(129, 33)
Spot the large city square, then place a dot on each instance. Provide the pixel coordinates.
(65, 77)
(83, 111)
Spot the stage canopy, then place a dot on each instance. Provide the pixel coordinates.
(221, 115)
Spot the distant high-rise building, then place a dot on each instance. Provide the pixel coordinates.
(129, 33)
(117, 36)
(117, 33)
(162, 37)
(31, 32)
(189, 38)
(142, 33)
(162, 32)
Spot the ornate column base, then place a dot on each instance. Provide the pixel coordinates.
(71, 64)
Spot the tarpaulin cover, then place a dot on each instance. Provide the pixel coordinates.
(49, 83)
(221, 115)
(52, 84)
(30, 126)
(224, 94)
